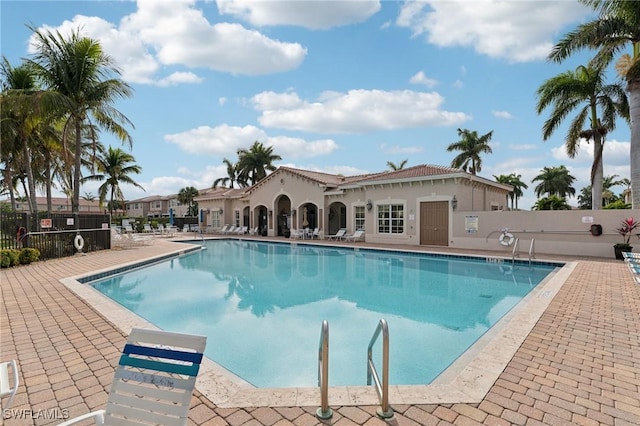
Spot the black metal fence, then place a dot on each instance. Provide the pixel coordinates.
(55, 235)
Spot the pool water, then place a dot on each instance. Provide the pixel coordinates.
(262, 305)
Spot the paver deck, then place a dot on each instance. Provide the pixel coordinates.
(580, 364)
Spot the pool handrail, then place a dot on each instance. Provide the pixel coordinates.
(384, 411)
(324, 412)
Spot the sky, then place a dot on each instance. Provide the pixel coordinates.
(333, 86)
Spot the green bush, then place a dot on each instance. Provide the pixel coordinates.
(29, 255)
(9, 257)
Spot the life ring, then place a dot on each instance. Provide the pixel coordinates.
(22, 234)
(506, 239)
(78, 242)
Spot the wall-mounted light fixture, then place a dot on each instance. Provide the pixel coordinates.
(369, 205)
(270, 213)
(220, 210)
(293, 211)
(454, 203)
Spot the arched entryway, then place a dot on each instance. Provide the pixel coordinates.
(260, 220)
(336, 217)
(307, 216)
(282, 216)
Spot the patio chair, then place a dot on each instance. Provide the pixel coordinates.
(338, 235)
(297, 234)
(241, 230)
(357, 236)
(154, 380)
(6, 389)
(316, 233)
(147, 228)
(254, 231)
(231, 230)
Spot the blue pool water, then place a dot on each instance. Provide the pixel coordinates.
(262, 305)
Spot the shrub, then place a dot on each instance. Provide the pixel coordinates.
(9, 257)
(29, 255)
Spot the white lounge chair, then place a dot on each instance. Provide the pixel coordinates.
(316, 233)
(357, 236)
(338, 235)
(254, 231)
(297, 234)
(223, 229)
(241, 230)
(230, 230)
(154, 380)
(147, 228)
(8, 387)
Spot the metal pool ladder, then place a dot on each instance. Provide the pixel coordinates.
(382, 389)
(324, 412)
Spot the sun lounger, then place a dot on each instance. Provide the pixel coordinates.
(338, 235)
(357, 236)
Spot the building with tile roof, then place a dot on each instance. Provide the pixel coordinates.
(406, 206)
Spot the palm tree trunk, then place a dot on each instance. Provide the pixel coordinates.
(75, 200)
(47, 176)
(597, 175)
(634, 112)
(31, 196)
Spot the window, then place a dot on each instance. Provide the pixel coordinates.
(237, 218)
(359, 219)
(391, 219)
(216, 219)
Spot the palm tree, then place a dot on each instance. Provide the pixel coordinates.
(254, 163)
(393, 166)
(616, 27)
(585, 91)
(231, 177)
(83, 83)
(515, 181)
(19, 87)
(471, 146)
(554, 181)
(552, 202)
(186, 196)
(114, 167)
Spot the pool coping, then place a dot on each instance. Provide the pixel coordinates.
(467, 380)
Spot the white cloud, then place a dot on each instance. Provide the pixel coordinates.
(162, 35)
(392, 150)
(518, 31)
(502, 114)
(225, 140)
(222, 140)
(355, 111)
(309, 14)
(421, 78)
(179, 78)
(615, 153)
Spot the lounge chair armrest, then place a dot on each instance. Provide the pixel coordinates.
(98, 415)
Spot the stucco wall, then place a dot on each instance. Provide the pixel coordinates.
(555, 232)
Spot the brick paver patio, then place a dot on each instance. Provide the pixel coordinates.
(579, 365)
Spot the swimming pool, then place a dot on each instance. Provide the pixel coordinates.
(261, 304)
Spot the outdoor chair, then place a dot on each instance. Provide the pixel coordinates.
(154, 380)
(6, 387)
(357, 236)
(338, 235)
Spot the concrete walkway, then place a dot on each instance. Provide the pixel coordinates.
(579, 365)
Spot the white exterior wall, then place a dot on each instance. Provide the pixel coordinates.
(565, 232)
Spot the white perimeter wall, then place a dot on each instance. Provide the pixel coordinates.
(555, 232)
